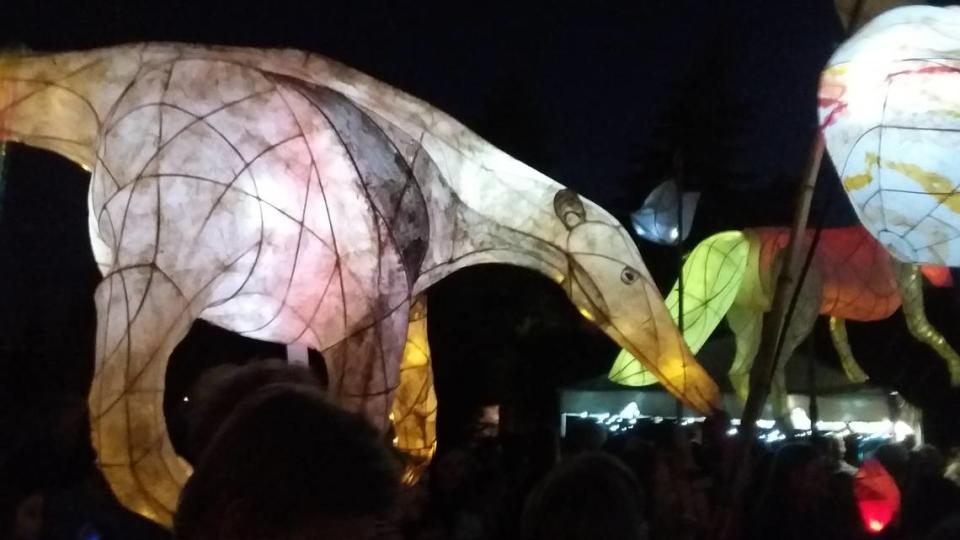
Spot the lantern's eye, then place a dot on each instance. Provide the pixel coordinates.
(629, 275)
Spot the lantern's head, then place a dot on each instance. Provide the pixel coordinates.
(608, 282)
(890, 114)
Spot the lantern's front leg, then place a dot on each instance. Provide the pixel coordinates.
(414, 413)
(910, 282)
(364, 367)
(746, 322)
(141, 316)
(747, 326)
(801, 326)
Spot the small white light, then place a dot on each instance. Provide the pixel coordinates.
(799, 419)
(901, 430)
(823, 425)
(632, 410)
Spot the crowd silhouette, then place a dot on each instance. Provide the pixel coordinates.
(274, 459)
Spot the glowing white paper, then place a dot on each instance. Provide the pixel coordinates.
(890, 111)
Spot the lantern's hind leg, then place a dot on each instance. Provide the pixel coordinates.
(363, 369)
(747, 325)
(141, 316)
(838, 333)
(414, 412)
(801, 326)
(910, 282)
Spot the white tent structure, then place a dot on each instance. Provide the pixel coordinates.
(842, 405)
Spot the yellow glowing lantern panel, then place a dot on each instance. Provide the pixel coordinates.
(712, 275)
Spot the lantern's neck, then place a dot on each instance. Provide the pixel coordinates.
(57, 101)
(490, 218)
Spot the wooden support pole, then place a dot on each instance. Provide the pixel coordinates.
(762, 371)
(3, 176)
(761, 374)
(678, 182)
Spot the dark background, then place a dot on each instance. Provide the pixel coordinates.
(600, 97)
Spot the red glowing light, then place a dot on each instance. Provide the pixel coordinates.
(877, 496)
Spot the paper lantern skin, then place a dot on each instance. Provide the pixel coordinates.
(658, 220)
(890, 113)
(288, 198)
(414, 411)
(877, 495)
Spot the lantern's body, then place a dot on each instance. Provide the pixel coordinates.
(890, 113)
(289, 198)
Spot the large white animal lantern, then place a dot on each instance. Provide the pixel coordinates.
(288, 198)
(890, 113)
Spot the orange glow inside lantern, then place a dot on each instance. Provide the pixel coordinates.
(878, 496)
(939, 276)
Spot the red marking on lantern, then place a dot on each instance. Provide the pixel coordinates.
(928, 70)
(837, 108)
(877, 494)
(938, 276)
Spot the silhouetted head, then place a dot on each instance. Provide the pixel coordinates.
(896, 460)
(287, 464)
(796, 474)
(221, 389)
(830, 447)
(927, 462)
(948, 529)
(588, 497)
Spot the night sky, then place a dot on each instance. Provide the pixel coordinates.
(600, 99)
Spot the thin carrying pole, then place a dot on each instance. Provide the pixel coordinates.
(762, 371)
(678, 165)
(3, 176)
(761, 374)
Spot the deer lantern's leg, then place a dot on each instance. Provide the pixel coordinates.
(910, 283)
(747, 326)
(364, 368)
(801, 325)
(838, 333)
(141, 316)
(746, 322)
(414, 411)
